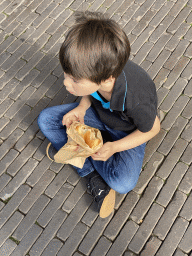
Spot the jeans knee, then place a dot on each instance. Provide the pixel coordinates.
(43, 118)
(124, 185)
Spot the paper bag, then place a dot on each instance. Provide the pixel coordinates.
(75, 151)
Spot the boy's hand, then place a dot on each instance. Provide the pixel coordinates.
(105, 152)
(77, 114)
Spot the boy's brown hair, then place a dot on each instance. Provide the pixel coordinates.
(95, 48)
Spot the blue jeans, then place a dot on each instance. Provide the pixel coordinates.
(121, 171)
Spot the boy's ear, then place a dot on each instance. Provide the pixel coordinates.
(110, 80)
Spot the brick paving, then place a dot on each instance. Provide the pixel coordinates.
(44, 207)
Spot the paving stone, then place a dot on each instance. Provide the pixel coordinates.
(188, 52)
(186, 211)
(38, 94)
(161, 14)
(188, 89)
(187, 71)
(129, 253)
(55, 167)
(151, 246)
(179, 253)
(176, 38)
(3, 57)
(169, 216)
(17, 92)
(173, 95)
(30, 65)
(23, 157)
(10, 226)
(7, 160)
(11, 72)
(45, 72)
(157, 65)
(102, 247)
(26, 243)
(39, 31)
(172, 135)
(158, 47)
(177, 7)
(7, 248)
(185, 185)
(18, 180)
(13, 204)
(148, 172)
(52, 248)
(142, 53)
(38, 172)
(45, 14)
(146, 200)
(187, 155)
(161, 94)
(187, 133)
(58, 182)
(188, 36)
(161, 28)
(8, 88)
(28, 222)
(179, 19)
(173, 238)
(13, 124)
(141, 39)
(74, 240)
(93, 235)
(27, 137)
(74, 217)
(54, 205)
(187, 111)
(17, 43)
(41, 151)
(36, 47)
(75, 196)
(124, 238)
(176, 110)
(55, 88)
(172, 78)
(28, 120)
(10, 142)
(57, 24)
(74, 177)
(36, 191)
(176, 55)
(91, 215)
(7, 42)
(121, 216)
(4, 180)
(146, 228)
(48, 234)
(31, 6)
(172, 184)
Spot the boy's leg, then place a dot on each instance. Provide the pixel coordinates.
(121, 171)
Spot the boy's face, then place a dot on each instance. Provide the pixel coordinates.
(81, 87)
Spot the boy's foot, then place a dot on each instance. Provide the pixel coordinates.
(50, 151)
(102, 193)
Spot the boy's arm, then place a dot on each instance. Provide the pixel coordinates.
(78, 113)
(132, 140)
(85, 102)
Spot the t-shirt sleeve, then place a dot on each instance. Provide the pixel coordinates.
(144, 116)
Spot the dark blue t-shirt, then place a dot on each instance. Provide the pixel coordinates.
(133, 103)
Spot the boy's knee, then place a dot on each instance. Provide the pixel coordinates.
(123, 188)
(43, 117)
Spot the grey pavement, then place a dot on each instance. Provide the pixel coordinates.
(44, 206)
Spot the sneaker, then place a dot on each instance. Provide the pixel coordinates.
(102, 193)
(51, 151)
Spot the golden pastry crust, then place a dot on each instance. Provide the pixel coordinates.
(89, 135)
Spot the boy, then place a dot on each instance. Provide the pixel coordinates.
(118, 98)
